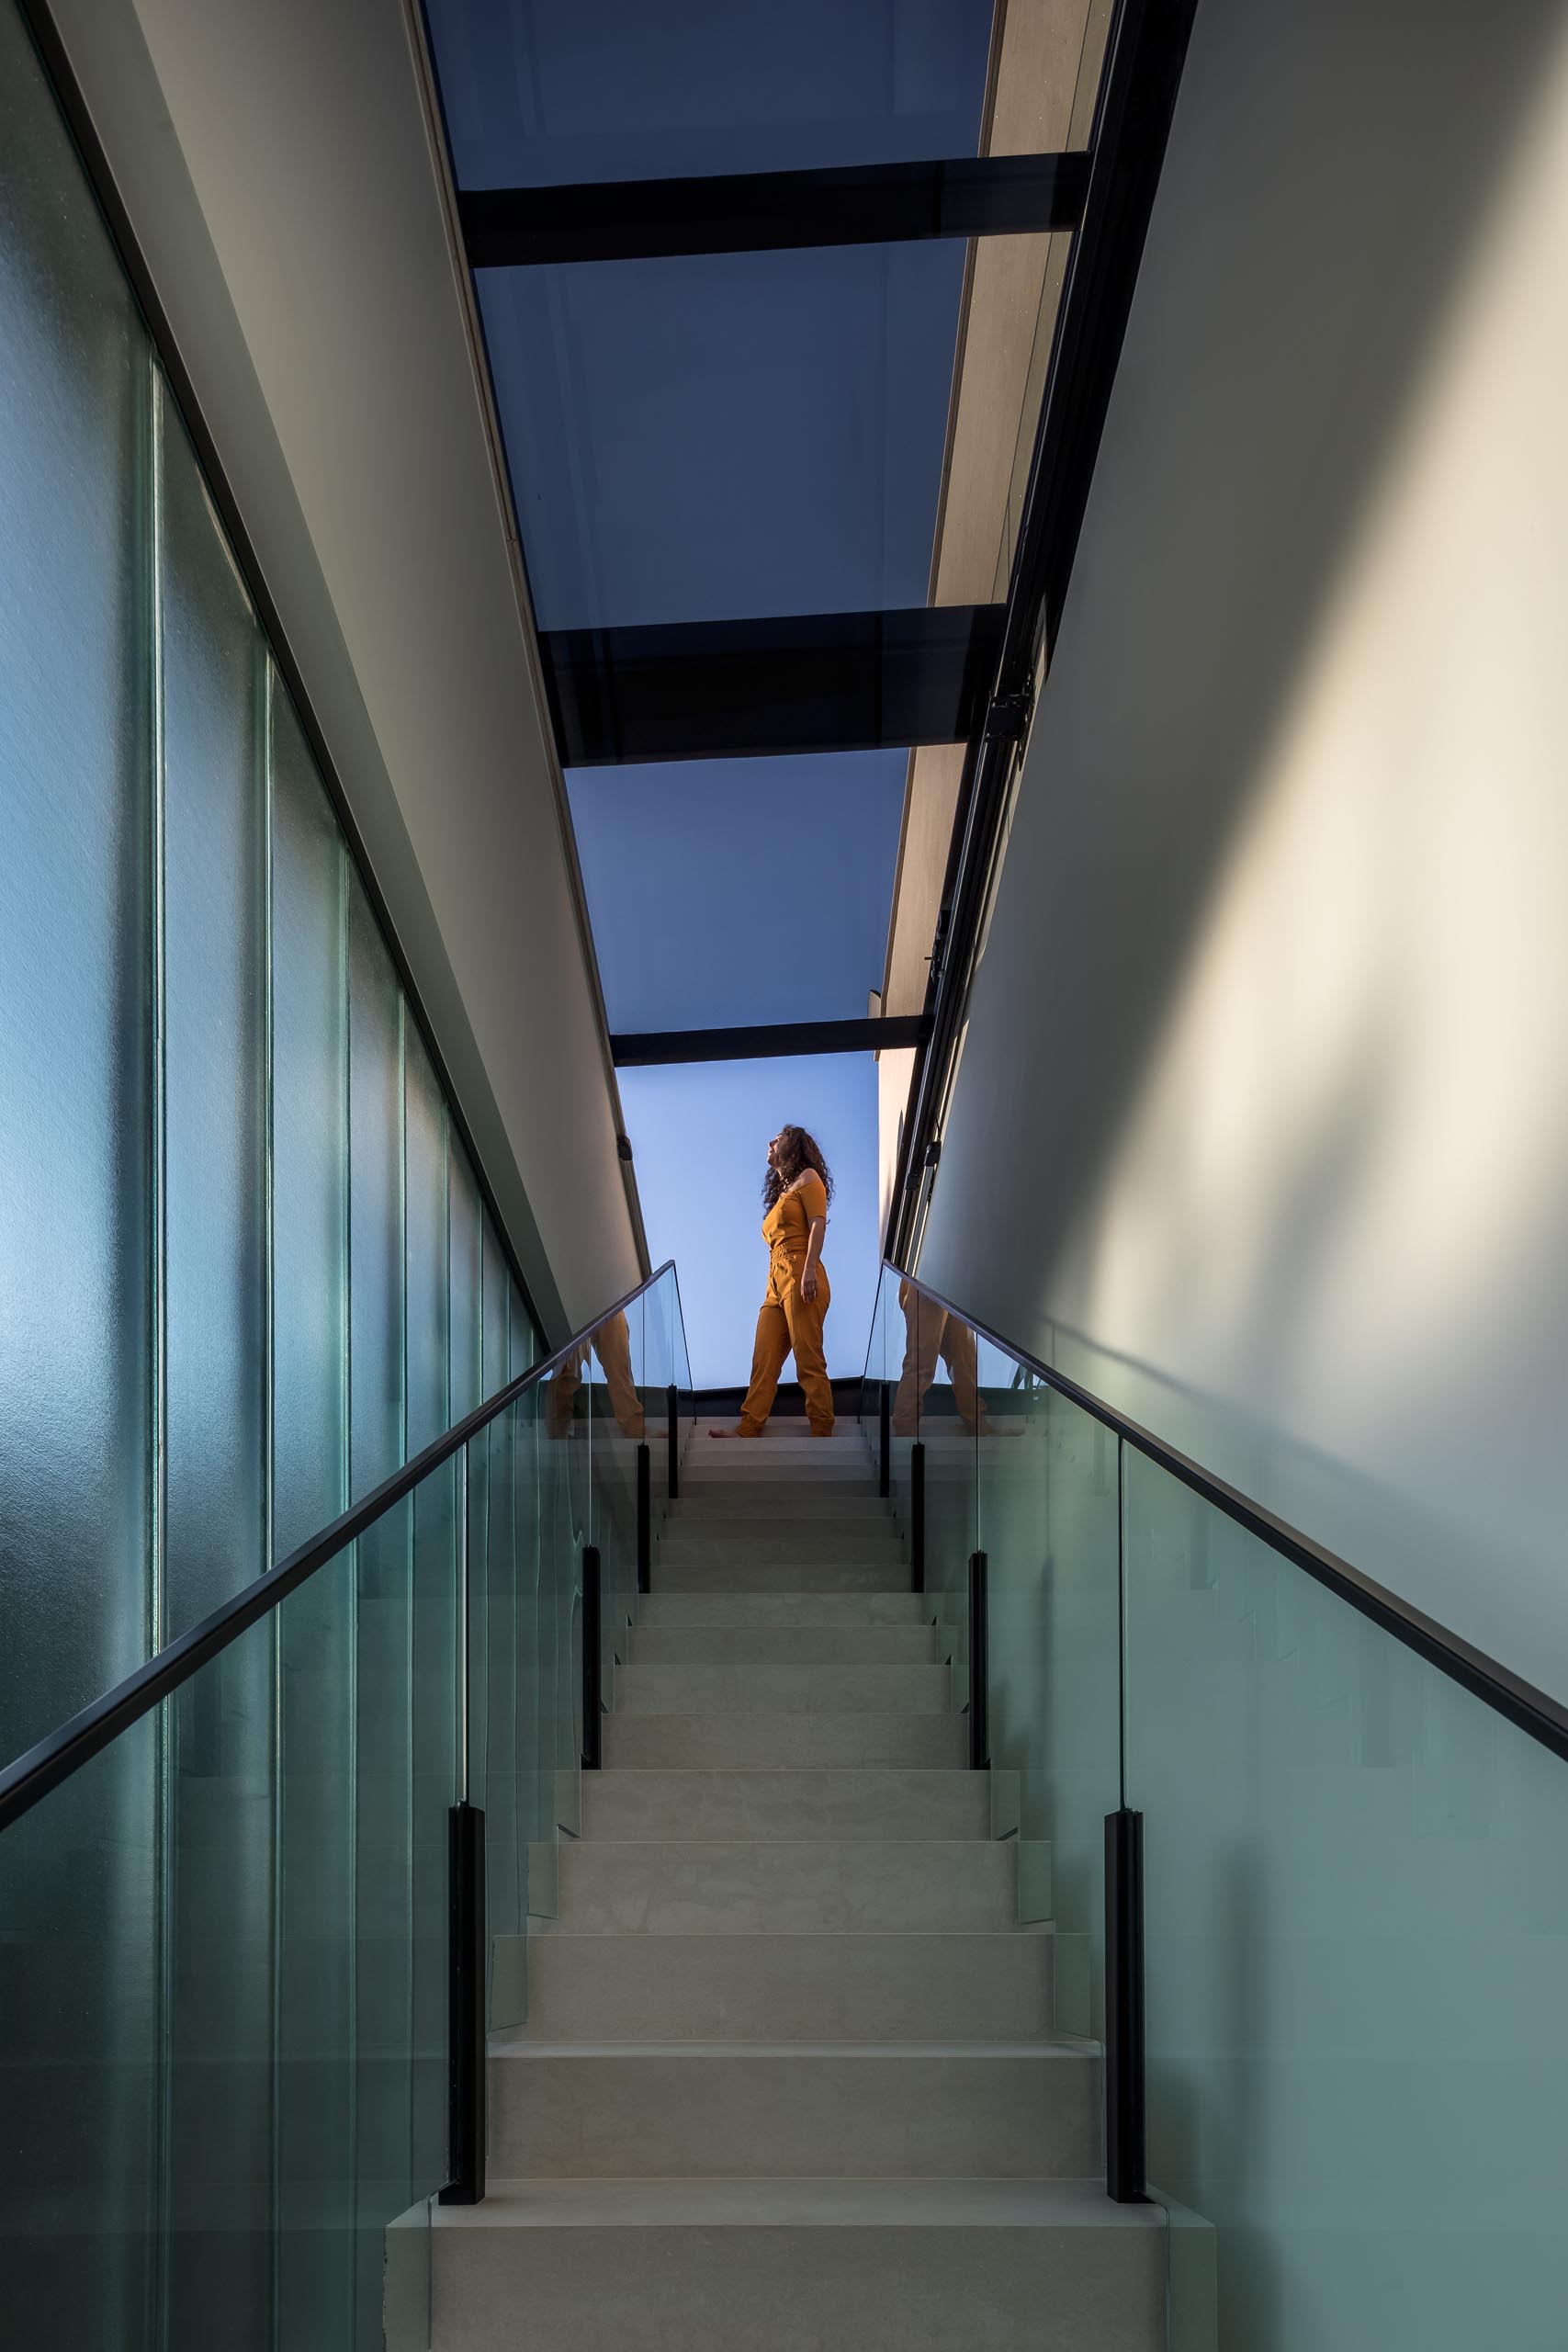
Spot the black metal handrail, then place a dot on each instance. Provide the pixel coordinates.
(1531, 1710)
(75, 1742)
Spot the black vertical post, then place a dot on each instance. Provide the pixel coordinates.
(643, 1519)
(672, 1431)
(466, 2006)
(979, 1666)
(1125, 2112)
(918, 1517)
(592, 1713)
(885, 1454)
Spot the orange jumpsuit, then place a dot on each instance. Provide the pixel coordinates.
(929, 1331)
(785, 1321)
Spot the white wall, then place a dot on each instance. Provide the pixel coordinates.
(1262, 1126)
(274, 160)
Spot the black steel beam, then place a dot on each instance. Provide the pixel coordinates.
(734, 212)
(817, 682)
(634, 1049)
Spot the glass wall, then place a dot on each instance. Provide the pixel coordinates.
(245, 1267)
(246, 1261)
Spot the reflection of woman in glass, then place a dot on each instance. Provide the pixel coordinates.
(794, 1199)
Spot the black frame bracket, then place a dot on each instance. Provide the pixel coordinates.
(467, 2057)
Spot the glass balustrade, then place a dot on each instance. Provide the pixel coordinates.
(225, 1939)
(1354, 1868)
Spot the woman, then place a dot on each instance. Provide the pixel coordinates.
(794, 1199)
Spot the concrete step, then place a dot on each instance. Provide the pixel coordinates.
(814, 1803)
(925, 1987)
(755, 1545)
(750, 1741)
(843, 1887)
(782, 1690)
(778, 1483)
(800, 1501)
(784, 1645)
(724, 1571)
(783, 1440)
(814, 1608)
(1020, 2109)
(807, 2265)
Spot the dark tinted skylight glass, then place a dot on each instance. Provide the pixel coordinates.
(731, 891)
(540, 92)
(728, 435)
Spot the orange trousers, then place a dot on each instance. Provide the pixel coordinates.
(612, 1343)
(929, 1331)
(786, 1325)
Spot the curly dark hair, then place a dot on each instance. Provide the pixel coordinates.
(797, 1152)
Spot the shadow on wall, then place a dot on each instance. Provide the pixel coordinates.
(1354, 174)
(1254, 1098)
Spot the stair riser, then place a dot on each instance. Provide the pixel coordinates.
(859, 1506)
(783, 1646)
(812, 2115)
(796, 1889)
(762, 2289)
(725, 1573)
(814, 1608)
(747, 1547)
(749, 1490)
(763, 1743)
(784, 1806)
(779, 1989)
(782, 1690)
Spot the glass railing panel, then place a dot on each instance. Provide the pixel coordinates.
(81, 2011)
(388, 2178)
(545, 1578)
(934, 1402)
(612, 1374)
(657, 1380)
(566, 1473)
(508, 1691)
(1357, 1922)
(216, 2032)
(1048, 1526)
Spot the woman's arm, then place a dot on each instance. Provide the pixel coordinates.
(812, 1259)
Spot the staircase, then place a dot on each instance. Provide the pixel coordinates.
(788, 2082)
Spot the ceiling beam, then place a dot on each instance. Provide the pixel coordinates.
(733, 212)
(820, 682)
(633, 1051)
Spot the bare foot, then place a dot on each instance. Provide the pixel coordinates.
(726, 1432)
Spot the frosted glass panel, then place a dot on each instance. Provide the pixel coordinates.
(309, 1139)
(214, 1052)
(75, 930)
(376, 1200)
(465, 1277)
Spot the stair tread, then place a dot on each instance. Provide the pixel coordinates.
(833, 2203)
(510, 2043)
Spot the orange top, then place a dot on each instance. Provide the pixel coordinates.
(786, 1228)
